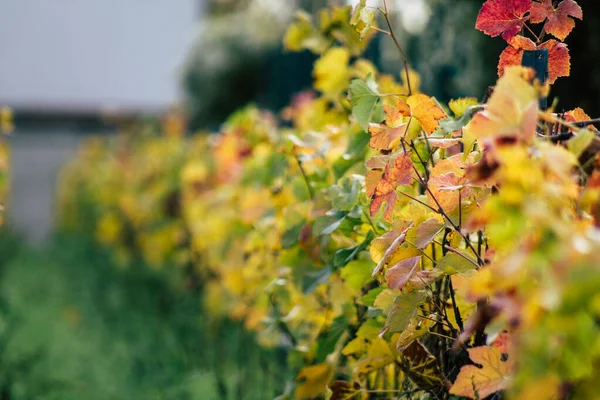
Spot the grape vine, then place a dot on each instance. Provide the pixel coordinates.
(396, 246)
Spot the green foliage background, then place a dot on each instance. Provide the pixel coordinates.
(68, 332)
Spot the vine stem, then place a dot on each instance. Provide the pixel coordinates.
(392, 34)
(310, 190)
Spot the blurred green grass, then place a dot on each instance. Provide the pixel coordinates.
(75, 326)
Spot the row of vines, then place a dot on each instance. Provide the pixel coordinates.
(395, 246)
(6, 127)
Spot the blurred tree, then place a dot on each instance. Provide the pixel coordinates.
(238, 57)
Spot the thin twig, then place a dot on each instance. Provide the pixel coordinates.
(386, 15)
(310, 190)
(452, 250)
(419, 201)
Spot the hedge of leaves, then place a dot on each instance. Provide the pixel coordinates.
(397, 247)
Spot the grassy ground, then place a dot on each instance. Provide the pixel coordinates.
(76, 327)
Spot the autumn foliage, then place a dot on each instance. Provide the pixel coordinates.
(395, 246)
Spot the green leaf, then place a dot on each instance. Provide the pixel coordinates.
(291, 236)
(327, 342)
(364, 99)
(302, 34)
(362, 18)
(327, 224)
(313, 279)
(578, 143)
(357, 273)
(403, 310)
(369, 329)
(452, 264)
(344, 256)
(369, 298)
(344, 196)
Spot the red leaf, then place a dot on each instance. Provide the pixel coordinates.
(559, 60)
(560, 23)
(503, 17)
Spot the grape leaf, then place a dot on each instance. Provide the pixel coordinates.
(444, 143)
(357, 273)
(511, 110)
(446, 179)
(313, 381)
(385, 175)
(503, 17)
(362, 18)
(581, 141)
(408, 271)
(383, 137)
(460, 106)
(493, 375)
(559, 22)
(559, 59)
(402, 311)
(422, 108)
(344, 256)
(342, 390)
(302, 34)
(344, 196)
(424, 368)
(578, 115)
(416, 329)
(364, 99)
(398, 275)
(453, 263)
(426, 232)
(331, 71)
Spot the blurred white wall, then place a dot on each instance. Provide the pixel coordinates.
(89, 54)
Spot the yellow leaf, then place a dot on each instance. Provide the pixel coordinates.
(460, 106)
(494, 375)
(331, 71)
(313, 381)
(511, 110)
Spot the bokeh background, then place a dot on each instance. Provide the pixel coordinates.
(70, 328)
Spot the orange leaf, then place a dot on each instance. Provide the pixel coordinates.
(446, 179)
(560, 23)
(393, 116)
(559, 60)
(383, 137)
(503, 17)
(387, 173)
(493, 376)
(578, 115)
(424, 109)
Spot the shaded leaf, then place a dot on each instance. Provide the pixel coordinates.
(341, 390)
